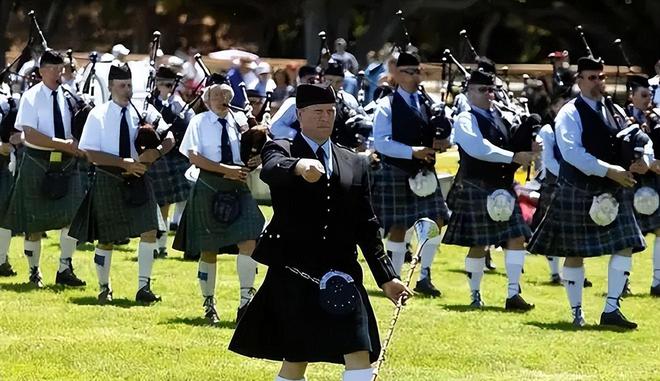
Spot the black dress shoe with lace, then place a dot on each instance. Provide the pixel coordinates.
(555, 279)
(146, 296)
(489, 262)
(426, 287)
(210, 313)
(477, 303)
(69, 278)
(616, 319)
(587, 283)
(6, 270)
(517, 303)
(105, 296)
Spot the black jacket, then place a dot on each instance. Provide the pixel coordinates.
(316, 226)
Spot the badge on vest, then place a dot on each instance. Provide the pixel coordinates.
(604, 209)
(424, 184)
(646, 201)
(500, 205)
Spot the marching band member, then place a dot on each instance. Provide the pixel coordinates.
(405, 140)
(48, 189)
(485, 175)
(591, 214)
(321, 212)
(120, 202)
(220, 211)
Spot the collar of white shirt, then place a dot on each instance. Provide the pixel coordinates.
(48, 91)
(592, 103)
(406, 96)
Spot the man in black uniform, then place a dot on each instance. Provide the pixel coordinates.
(321, 212)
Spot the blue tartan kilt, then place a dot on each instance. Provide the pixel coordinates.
(168, 179)
(547, 191)
(470, 225)
(648, 223)
(396, 205)
(567, 230)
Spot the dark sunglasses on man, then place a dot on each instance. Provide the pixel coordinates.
(411, 71)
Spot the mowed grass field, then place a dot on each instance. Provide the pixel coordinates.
(62, 334)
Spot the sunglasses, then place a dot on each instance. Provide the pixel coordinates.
(486, 89)
(411, 71)
(594, 77)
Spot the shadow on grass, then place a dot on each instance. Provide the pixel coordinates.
(201, 322)
(467, 308)
(116, 302)
(28, 287)
(489, 272)
(568, 326)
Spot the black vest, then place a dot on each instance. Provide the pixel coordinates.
(410, 128)
(599, 140)
(496, 174)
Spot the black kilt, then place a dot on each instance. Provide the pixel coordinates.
(28, 210)
(284, 321)
(548, 188)
(470, 225)
(567, 230)
(200, 231)
(395, 204)
(648, 223)
(169, 180)
(103, 215)
(6, 181)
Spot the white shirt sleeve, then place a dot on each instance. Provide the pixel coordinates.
(469, 138)
(283, 119)
(27, 113)
(568, 133)
(91, 135)
(549, 160)
(190, 141)
(383, 133)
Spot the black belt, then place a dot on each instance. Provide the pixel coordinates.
(45, 155)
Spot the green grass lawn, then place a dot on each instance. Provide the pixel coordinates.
(61, 334)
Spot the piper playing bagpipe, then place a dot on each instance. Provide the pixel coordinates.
(592, 212)
(120, 202)
(404, 186)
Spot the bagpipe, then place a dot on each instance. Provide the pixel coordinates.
(147, 136)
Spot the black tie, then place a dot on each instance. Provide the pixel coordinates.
(320, 154)
(124, 136)
(225, 148)
(57, 118)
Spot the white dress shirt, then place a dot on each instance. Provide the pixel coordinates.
(35, 110)
(468, 136)
(548, 159)
(568, 133)
(383, 126)
(101, 131)
(204, 136)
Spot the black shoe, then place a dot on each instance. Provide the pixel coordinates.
(6, 270)
(161, 253)
(616, 318)
(105, 296)
(409, 254)
(517, 303)
(426, 287)
(210, 313)
(489, 262)
(123, 242)
(555, 279)
(626, 290)
(240, 312)
(578, 318)
(146, 296)
(35, 278)
(587, 283)
(476, 300)
(173, 226)
(655, 291)
(69, 278)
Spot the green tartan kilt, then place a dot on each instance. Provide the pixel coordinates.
(202, 232)
(6, 181)
(104, 216)
(28, 210)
